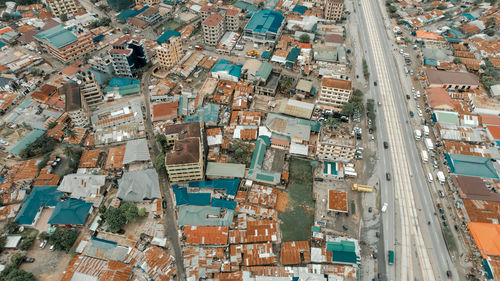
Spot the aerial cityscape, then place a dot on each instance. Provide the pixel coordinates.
(249, 140)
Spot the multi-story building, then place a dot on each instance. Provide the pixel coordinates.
(334, 9)
(185, 162)
(232, 19)
(151, 15)
(64, 44)
(102, 64)
(335, 145)
(206, 11)
(334, 93)
(90, 89)
(76, 106)
(63, 7)
(213, 29)
(264, 27)
(170, 50)
(128, 53)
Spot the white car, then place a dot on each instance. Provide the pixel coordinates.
(43, 244)
(418, 94)
(419, 112)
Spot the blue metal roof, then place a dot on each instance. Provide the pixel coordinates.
(166, 35)
(224, 203)
(225, 65)
(57, 36)
(27, 140)
(70, 212)
(299, 9)
(230, 185)
(265, 21)
(129, 13)
(40, 196)
(468, 165)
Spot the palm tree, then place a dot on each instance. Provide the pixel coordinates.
(69, 151)
(71, 133)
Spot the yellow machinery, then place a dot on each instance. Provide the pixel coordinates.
(361, 187)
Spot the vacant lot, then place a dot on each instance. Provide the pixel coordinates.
(299, 215)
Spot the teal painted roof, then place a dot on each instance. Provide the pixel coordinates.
(299, 9)
(333, 168)
(70, 212)
(57, 36)
(129, 89)
(293, 55)
(166, 35)
(225, 65)
(343, 251)
(316, 228)
(40, 196)
(265, 21)
(30, 138)
(245, 6)
(468, 165)
(447, 117)
(2, 44)
(256, 171)
(264, 70)
(265, 55)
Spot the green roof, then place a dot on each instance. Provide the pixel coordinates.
(129, 89)
(447, 117)
(70, 212)
(265, 70)
(30, 138)
(166, 35)
(57, 36)
(316, 228)
(40, 196)
(468, 165)
(293, 55)
(343, 251)
(265, 21)
(256, 171)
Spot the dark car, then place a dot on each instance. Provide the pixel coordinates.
(345, 227)
(448, 273)
(375, 83)
(407, 97)
(29, 260)
(386, 145)
(164, 204)
(456, 228)
(374, 255)
(377, 234)
(412, 114)
(318, 179)
(388, 176)
(370, 209)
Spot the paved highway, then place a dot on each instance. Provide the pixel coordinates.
(421, 253)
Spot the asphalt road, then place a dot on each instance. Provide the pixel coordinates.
(421, 253)
(170, 221)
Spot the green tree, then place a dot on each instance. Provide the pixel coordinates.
(129, 210)
(11, 273)
(52, 124)
(63, 17)
(63, 238)
(10, 226)
(70, 133)
(304, 38)
(142, 212)
(44, 161)
(27, 242)
(3, 241)
(348, 109)
(160, 163)
(44, 236)
(6, 17)
(457, 61)
(162, 141)
(69, 151)
(42, 145)
(35, 71)
(16, 259)
(114, 218)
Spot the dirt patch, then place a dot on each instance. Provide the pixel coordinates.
(281, 202)
(299, 215)
(48, 265)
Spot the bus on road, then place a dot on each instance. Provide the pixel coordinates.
(391, 257)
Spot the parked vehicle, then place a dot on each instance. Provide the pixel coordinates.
(441, 177)
(412, 114)
(426, 131)
(29, 260)
(391, 257)
(43, 244)
(384, 208)
(418, 134)
(425, 156)
(428, 144)
(52, 248)
(429, 177)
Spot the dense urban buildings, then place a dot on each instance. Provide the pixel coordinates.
(170, 50)
(334, 9)
(213, 29)
(128, 53)
(334, 93)
(64, 7)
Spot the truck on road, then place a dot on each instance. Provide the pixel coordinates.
(418, 134)
(428, 144)
(425, 156)
(426, 131)
(441, 177)
(391, 257)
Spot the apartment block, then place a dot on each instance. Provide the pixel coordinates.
(170, 50)
(102, 64)
(232, 20)
(334, 93)
(75, 106)
(186, 160)
(213, 29)
(206, 11)
(334, 9)
(127, 54)
(90, 89)
(335, 145)
(63, 7)
(63, 44)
